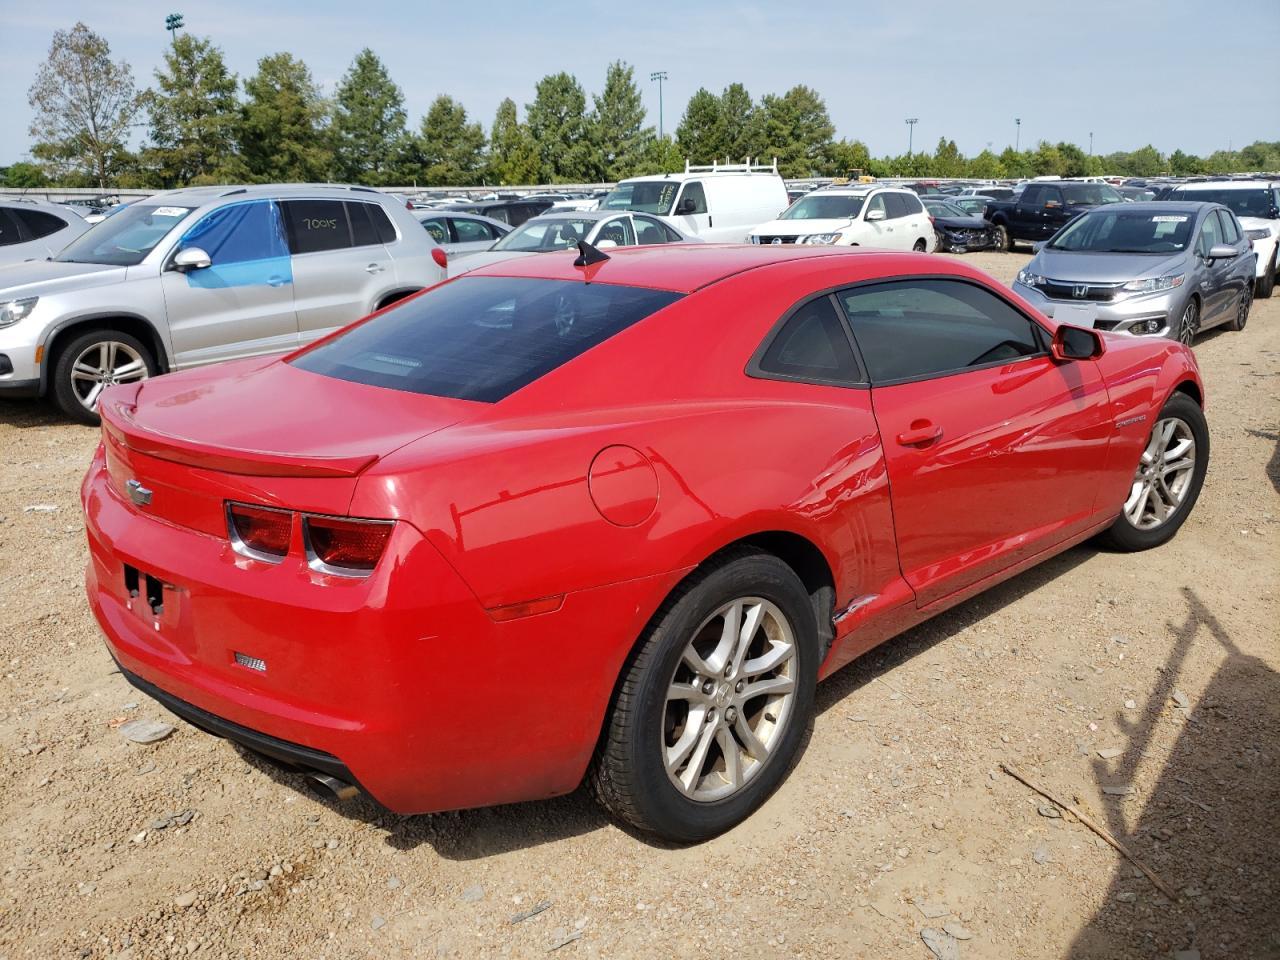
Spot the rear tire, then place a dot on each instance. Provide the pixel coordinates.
(1004, 242)
(1160, 482)
(93, 361)
(921, 245)
(1242, 309)
(1266, 283)
(674, 759)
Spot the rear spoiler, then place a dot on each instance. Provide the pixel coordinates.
(119, 426)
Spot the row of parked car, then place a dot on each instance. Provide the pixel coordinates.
(215, 273)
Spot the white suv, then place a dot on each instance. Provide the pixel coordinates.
(199, 275)
(887, 218)
(1256, 204)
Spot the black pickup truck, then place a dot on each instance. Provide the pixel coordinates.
(1042, 207)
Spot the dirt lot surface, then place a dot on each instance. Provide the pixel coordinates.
(1145, 687)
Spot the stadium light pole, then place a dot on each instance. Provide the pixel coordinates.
(1017, 137)
(1091, 143)
(173, 23)
(659, 76)
(911, 132)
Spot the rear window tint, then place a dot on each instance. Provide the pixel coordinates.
(316, 225)
(39, 223)
(482, 338)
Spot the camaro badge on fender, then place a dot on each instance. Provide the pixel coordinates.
(138, 493)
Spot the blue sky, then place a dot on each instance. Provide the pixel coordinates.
(1178, 73)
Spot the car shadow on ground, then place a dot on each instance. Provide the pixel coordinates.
(485, 832)
(1208, 830)
(25, 414)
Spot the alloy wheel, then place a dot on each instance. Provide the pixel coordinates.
(1188, 324)
(102, 364)
(1246, 303)
(730, 699)
(1164, 475)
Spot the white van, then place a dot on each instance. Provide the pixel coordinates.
(719, 203)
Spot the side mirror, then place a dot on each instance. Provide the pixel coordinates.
(1221, 251)
(1051, 204)
(1076, 343)
(605, 244)
(687, 206)
(192, 258)
(873, 215)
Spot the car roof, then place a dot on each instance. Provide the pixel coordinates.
(581, 214)
(682, 268)
(428, 213)
(198, 196)
(31, 203)
(1258, 184)
(1159, 206)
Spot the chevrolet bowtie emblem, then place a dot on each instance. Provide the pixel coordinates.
(138, 493)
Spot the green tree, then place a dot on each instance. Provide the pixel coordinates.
(449, 150)
(1185, 164)
(84, 103)
(282, 133)
(662, 155)
(513, 158)
(847, 158)
(1046, 161)
(24, 174)
(738, 132)
(557, 121)
(985, 166)
(617, 124)
(796, 129)
(194, 115)
(1146, 162)
(700, 133)
(368, 129)
(1016, 163)
(947, 160)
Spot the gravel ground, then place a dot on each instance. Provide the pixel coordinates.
(1143, 689)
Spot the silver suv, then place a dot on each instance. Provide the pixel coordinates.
(204, 274)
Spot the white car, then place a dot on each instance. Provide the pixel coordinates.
(717, 203)
(868, 215)
(561, 231)
(33, 231)
(1256, 204)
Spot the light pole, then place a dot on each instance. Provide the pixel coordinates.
(659, 76)
(1091, 143)
(1017, 137)
(173, 23)
(911, 132)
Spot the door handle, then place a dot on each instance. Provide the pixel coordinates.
(374, 268)
(275, 281)
(920, 434)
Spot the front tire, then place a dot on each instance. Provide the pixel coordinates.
(93, 361)
(1242, 309)
(711, 710)
(1189, 322)
(1004, 242)
(1266, 283)
(1168, 478)
(921, 245)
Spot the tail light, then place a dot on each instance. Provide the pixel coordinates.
(262, 533)
(346, 548)
(440, 257)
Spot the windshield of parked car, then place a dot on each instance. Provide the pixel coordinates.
(823, 208)
(1243, 203)
(645, 196)
(550, 234)
(941, 208)
(1090, 193)
(1122, 231)
(482, 338)
(125, 239)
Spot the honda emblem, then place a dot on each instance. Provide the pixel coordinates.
(1080, 291)
(776, 241)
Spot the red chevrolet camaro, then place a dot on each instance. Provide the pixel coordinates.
(548, 521)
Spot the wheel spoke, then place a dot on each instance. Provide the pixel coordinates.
(767, 687)
(753, 744)
(1179, 449)
(729, 632)
(113, 350)
(1134, 492)
(91, 398)
(693, 772)
(750, 624)
(771, 659)
(680, 750)
(132, 370)
(1140, 507)
(732, 757)
(695, 662)
(686, 691)
(1178, 466)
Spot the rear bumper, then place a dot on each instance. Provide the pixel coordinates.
(401, 683)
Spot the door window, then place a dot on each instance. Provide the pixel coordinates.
(246, 247)
(316, 225)
(650, 231)
(9, 233)
(438, 229)
(1051, 195)
(472, 231)
(908, 329)
(912, 203)
(1033, 196)
(876, 203)
(619, 231)
(1210, 235)
(812, 346)
(363, 231)
(692, 191)
(1230, 232)
(896, 205)
(39, 224)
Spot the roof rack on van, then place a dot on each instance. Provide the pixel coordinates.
(727, 167)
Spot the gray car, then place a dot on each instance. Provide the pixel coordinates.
(461, 234)
(1146, 269)
(200, 275)
(30, 230)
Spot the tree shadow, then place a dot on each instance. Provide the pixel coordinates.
(1209, 828)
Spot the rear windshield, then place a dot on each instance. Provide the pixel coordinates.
(482, 338)
(1243, 203)
(823, 208)
(1116, 230)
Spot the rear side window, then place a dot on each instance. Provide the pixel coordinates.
(316, 225)
(908, 329)
(9, 233)
(650, 231)
(382, 224)
(363, 232)
(912, 204)
(811, 346)
(482, 338)
(437, 229)
(39, 223)
(473, 231)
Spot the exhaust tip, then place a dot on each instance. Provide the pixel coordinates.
(338, 789)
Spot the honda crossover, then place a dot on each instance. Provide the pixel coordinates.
(573, 516)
